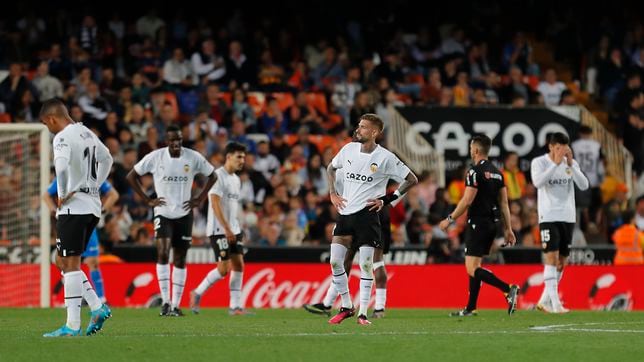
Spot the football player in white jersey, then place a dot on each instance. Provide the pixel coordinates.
(173, 168)
(225, 231)
(366, 168)
(553, 175)
(82, 163)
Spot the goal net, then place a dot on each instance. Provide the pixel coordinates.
(24, 218)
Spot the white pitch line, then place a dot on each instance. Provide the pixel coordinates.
(573, 327)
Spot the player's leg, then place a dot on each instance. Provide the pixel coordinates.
(340, 244)
(179, 276)
(331, 295)
(100, 312)
(91, 259)
(565, 231)
(366, 281)
(163, 231)
(236, 306)
(550, 239)
(220, 247)
(70, 244)
(380, 276)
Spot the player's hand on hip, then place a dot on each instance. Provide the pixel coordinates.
(159, 201)
(63, 200)
(375, 204)
(192, 203)
(338, 201)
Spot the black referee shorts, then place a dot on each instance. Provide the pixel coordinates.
(363, 226)
(479, 236)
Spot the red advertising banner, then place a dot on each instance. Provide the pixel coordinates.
(427, 286)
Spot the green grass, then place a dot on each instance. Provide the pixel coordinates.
(295, 335)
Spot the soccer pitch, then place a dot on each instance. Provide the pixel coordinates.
(295, 335)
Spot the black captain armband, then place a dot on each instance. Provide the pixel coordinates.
(388, 199)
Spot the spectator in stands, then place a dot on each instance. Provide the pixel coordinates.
(591, 162)
(272, 120)
(515, 180)
(303, 114)
(292, 233)
(476, 63)
(209, 66)
(623, 97)
(266, 163)
(177, 71)
(279, 147)
(516, 87)
(315, 175)
(48, 87)
(271, 236)
(238, 134)
(88, 36)
(59, 66)
(344, 93)
(150, 144)
(218, 108)
(166, 118)
(95, 107)
(361, 106)
(203, 128)
(238, 67)
(462, 90)
(639, 212)
(139, 122)
(271, 76)
(149, 24)
(454, 43)
(610, 75)
(550, 88)
(519, 53)
(613, 210)
(442, 205)
(13, 88)
(28, 108)
(567, 98)
(140, 89)
(243, 110)
(329, 70)
(630, 129)
(431, 92)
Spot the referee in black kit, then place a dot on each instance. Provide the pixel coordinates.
(486, 198)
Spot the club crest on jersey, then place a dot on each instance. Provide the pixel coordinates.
(186, 167)
(374, 167)
(568, 171)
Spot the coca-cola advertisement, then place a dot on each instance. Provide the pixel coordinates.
(281, 285)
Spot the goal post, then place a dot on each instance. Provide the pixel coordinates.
(25, 227)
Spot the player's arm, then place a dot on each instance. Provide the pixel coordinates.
(505, 211)
(105, 160)
(539, 174)
(461, 207)
(49, 201)
(110, 199)
(409, 181)
(133, 179)
(196, 201)
(215, 200)
(338, 201)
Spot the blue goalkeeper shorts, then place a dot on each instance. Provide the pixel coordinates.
(91, 250)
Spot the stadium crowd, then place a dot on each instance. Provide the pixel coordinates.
(294, 99)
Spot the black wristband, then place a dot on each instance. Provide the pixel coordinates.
(388, 199)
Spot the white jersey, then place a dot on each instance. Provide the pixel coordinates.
(173, 177)
(588, 153)
(365, 175)
(82, 149)
(551, 92)
(228, 188)
(555, 190)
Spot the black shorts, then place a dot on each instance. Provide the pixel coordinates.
(556, 236)
(73, 233)
(363, 226)
(222, 247)
(385, 228)
(479, 236)
(178, 230)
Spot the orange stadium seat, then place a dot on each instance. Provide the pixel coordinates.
(284, 100)
(228, 98)
(5, 118)
(257, 101)
(317, 101)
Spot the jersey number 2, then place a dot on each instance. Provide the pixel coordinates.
(91, 162)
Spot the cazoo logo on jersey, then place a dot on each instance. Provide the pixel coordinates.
(171, 179)
(358, 177)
